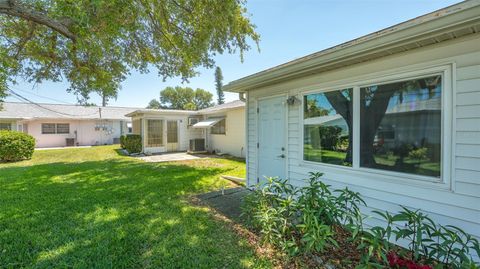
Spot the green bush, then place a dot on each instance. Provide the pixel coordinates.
(16, 146)
(133, 143)
(306, 220)
(122, 141)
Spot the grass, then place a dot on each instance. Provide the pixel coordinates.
(93, 208)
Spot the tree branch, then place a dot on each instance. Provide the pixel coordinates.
(15, 9)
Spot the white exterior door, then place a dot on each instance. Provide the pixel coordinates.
(271, 138)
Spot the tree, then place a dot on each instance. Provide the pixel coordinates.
(185, 98)
(95, 44)
(202, 99)
(219, 85)
(154, 104)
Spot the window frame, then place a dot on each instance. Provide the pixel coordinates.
(224, 127)
(54, 128)
(447, 116)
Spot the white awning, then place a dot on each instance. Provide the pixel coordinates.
(207, 123)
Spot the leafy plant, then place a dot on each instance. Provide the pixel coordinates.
(15, 146)
(133, 143)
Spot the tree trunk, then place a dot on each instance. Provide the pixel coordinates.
(16, 9)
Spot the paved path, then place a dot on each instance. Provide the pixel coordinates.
(229, 203)
(172, 157)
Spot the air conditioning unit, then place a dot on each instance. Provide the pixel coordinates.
(192, 121)
(197, 145)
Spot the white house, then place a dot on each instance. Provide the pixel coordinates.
(409, 99)
(55, 125)
(219, 129)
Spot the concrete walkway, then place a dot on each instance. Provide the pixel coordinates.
(227, 203)
(172, 157)
(72, 147)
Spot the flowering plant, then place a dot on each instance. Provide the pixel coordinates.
(398, 262)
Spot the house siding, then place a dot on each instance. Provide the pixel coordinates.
(233, 141)
(457, 204)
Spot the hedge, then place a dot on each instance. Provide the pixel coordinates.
(133, 143)
(15, 146)
(122, 141)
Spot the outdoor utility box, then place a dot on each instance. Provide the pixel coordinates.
(70, 142)
(197, 145)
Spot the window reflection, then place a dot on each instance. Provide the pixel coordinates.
(328, 127)
(400, 126)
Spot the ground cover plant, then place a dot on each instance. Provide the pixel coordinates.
(316, 225)
(94, 208)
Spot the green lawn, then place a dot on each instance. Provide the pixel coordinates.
(93, 208)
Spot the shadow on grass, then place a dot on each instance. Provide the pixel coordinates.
(112, 213)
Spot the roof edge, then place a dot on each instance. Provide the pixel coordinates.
(433, 24)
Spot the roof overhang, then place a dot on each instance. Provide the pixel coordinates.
(446, 24)
(208, 123)
(159, 112)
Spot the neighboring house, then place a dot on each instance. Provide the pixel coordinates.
(219, 129)
(55, 125)
(409, 98)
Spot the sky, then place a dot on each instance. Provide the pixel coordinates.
(288, 29)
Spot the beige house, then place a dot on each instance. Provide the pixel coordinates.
(219, 129)
(54, 125)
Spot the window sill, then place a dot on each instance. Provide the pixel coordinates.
(379, 176)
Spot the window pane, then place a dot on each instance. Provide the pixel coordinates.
(328, 127)
(172, 132)
(63, 128)
(154, 133)
(218, 128)
(48, 128)
(400, 126)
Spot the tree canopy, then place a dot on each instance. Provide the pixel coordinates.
(95, 44)
(154, 104)
(185, 98)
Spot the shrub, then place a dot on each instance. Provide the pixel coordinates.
(133, 143)
(122, 141)
(305, 220)
(16, 146)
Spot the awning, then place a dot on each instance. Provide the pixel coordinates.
(207, 123)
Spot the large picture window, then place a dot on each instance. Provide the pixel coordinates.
(328, 127)
(154, 133)
(398, 129)
(400, 126)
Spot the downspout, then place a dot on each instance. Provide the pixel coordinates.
(243, 97)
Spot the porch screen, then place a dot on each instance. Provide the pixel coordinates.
(5, 126)
(154, 133)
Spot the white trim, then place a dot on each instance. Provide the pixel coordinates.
(285, 132)
(447, 142)
(356, 128)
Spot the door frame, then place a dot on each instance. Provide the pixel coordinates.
(257, 125)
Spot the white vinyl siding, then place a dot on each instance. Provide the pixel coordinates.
(456, 202)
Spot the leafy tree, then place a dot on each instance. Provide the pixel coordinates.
(154, 104)
(95, 44)
(185, 98)
(202, 99)
(219, 85)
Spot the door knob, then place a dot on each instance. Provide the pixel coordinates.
(281, 156)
